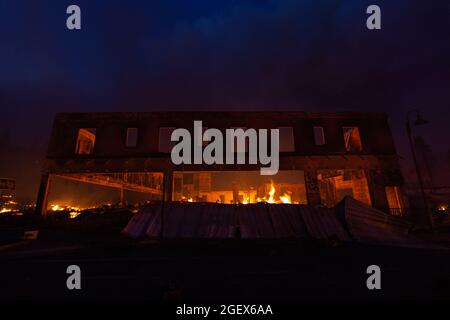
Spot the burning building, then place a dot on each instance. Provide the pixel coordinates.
(99, 158)
(7, 195)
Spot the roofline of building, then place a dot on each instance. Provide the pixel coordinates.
(300, 114)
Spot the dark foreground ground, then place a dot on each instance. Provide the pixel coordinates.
(114, 267)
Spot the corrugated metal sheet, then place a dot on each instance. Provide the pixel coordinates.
(188, 220)
(154, 227)
(140, 222)
(286, 221)
(322, 223)
(254, 221)
(367, 224)
(351, 219)
(219, 221)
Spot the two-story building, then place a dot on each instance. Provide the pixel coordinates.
(323, 157)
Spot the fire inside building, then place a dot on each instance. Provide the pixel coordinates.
(7, 194)
(95, 159)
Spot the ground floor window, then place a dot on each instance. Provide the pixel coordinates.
(334, 185)
(287, 186)
(91, 190)
(395, 200)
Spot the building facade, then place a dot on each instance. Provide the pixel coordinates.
(323, 158)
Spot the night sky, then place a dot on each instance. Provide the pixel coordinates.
(219, 55)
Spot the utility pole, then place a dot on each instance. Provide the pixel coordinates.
(419, 121)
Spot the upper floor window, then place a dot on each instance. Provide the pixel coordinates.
(165, 144)
(352, 139)
(85, 141)
(287, 143)
(319, 136)
(132, 137)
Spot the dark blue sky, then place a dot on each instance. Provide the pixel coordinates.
(224, 55)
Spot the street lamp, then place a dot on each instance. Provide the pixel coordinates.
(419, 121)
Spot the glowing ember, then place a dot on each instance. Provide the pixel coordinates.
(74, 214)
(184, 199)
(57, 207)
(285, 198)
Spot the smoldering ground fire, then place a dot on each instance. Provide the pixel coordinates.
(126, 156)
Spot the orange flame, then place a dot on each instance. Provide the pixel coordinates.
(271, 193)
(285, 198)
